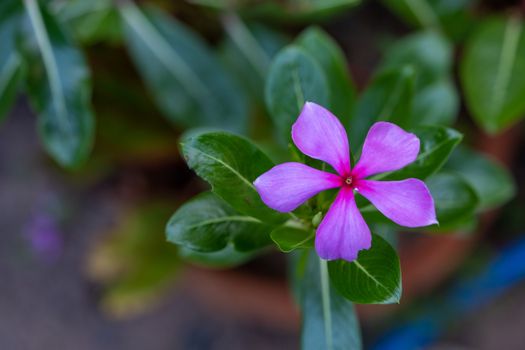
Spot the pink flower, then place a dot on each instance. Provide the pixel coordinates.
(343, 232)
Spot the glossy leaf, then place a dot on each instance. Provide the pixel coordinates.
(332, 60)
(374, 278)
(493, 184)
(493, 73)
(388, 98)
(59, 87)
(328, 320)
(230, 164)
(289, 238)
(454, 198)
(436, 145)
(189, 84)
(294, 78)
(10, 60)
(208, 224)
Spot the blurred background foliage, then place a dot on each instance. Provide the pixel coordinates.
(115, 83)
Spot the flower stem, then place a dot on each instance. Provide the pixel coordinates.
(325, 295)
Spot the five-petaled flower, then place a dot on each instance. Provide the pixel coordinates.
(343, 232)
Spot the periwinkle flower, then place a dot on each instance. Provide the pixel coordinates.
(343, 232)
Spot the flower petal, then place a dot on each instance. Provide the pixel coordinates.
(343, 231)
(387, 147)
(320, 135)
(286, 186)
(407, 203)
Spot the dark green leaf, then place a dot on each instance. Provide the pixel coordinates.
(294, 78)
(329, 320)
(289, 238)
(10, 61)
(374, 278)
(493, 73)
(454, 198)
(388, 97)
(230, 164)
(436, 145)
(493, 184)
(59, 87)
(332, 60)
(188, 82)
(208, 224)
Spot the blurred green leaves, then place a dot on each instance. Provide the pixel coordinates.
(493, 73)
(10, 60)
(492, 183)
(58, 85)
(450, 17)
(186, 79)
(286, 11)
(132, 262)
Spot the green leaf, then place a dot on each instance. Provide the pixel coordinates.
(230, 164)
(248, 51)
(59, 87)
(329, 320)
(493, 183)
(454, 198)
(436, 104)
(493, 73)
(91, 21)
(374, 278)
(388, 98)
(10, 61)
(430, 54)
(189, 84)
(332, 60)
(294, 78)
(442, 15)
(286, 11)
(436, 145)
(208, 224)
(289, 238)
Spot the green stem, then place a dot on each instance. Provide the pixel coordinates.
(325, 294)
